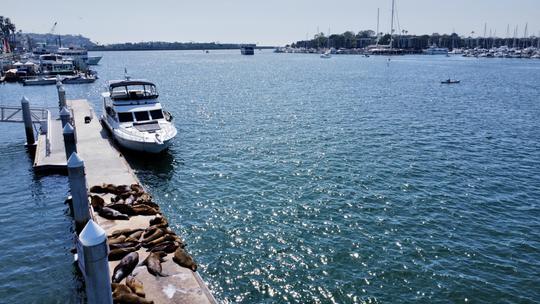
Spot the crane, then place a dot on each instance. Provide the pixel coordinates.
(51, 33)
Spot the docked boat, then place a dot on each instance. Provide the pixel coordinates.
(434, 50)
(450, 81)
(326, 55)
(135, 117)
(39, 80)
(81, 78)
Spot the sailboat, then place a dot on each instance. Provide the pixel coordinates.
(328, 53)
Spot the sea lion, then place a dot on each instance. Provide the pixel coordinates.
(119, 239)
(130, 298)
(145, 197)
(121, 288)
(125, 232)
(97, 202)
(112, 214)
(129, 200)
(125, 267)
(164, 238)
(120, 189)
(141, 209)
(99, 189)
(119, 253)
(149, 204)
(153, 263)
(122, 245)
(157, 234)
(167, 247)
(136, 235)
(157, 220)
(182, 258)
(135, 285)
(122, 208)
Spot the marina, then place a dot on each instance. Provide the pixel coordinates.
(405, 174)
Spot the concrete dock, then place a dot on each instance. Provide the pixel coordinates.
(105, 164)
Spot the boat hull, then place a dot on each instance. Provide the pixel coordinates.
(138, 146)
(93, 60)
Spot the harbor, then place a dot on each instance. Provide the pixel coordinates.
(211, 176)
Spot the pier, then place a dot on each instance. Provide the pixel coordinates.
(79, 145)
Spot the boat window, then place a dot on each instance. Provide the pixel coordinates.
(119, 92)
(156, 114)
(142, 116)
(125, 117)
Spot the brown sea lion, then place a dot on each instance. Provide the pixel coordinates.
(136, 235)
(135, 285)
(122, 245)
(97, 202)
(119, 239)
(149, 204)
(112, 214)
(117, 254)
(137, 188)
(145, 197)
(164, 238)
(125, 232)
(157, 220)
(167, 247)
(125, 267)
(129, 200)
(182, 258)
(157, 234)
(122, 208)
(141, 209)
(121, 288)
(99, 189)
(120, 189)
(153, 263)
(130, 298)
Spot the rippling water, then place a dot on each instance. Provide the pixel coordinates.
(296, 179)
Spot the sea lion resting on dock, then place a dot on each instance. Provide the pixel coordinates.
(119, 253)
(182, 258)
(135, 285)
(110, 188)
(167, 247)
(97, 202)
(124, 294)
(125, 267)
(125, 232)
(112, 214)
(153, 263)
(122, 208)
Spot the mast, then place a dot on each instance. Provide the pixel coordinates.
(392, 25)
(378, 37)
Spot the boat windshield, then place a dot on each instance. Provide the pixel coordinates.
(139, 91)
(125, 117)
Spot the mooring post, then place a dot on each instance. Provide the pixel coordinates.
(69, 140)
(61, 97)
(65, 116)
(27, 118)
(92, 252)
(79, 193)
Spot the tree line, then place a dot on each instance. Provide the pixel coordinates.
(364, 38)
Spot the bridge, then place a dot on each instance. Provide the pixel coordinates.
(15, 114)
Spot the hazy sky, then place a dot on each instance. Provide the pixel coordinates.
(275, 22)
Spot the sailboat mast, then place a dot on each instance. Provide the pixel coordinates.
(378, 37)
(392, 25)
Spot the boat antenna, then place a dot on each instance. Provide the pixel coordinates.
(126, 74)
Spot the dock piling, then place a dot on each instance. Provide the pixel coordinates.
(69, 140)
(65, 116)
(61, 96)
(92, 252)
(27, 118)
(79, 193)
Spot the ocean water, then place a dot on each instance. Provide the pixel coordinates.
(295, 179)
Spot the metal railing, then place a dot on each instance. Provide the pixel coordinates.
(14, 114)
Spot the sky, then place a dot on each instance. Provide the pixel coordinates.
(276, 22)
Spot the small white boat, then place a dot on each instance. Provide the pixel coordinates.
(133, 114)
(326, 55)
(40, 80)
(81, 78)
(450, 81)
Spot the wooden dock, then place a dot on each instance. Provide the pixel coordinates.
(105, 164)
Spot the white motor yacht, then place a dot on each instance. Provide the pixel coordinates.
(133, 114)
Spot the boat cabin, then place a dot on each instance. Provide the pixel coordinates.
(132, 92)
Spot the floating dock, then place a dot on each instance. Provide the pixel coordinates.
(105, 164)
